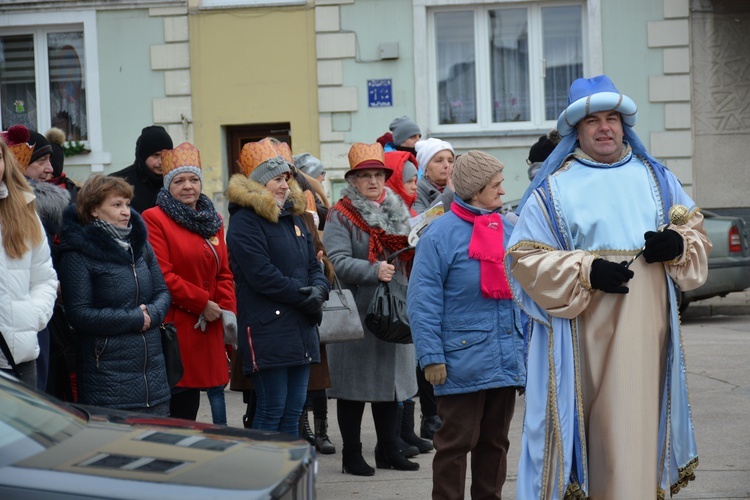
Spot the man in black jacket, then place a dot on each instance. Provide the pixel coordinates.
(145, 175)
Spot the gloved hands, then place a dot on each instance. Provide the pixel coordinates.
(313, 303)
(609, 277)
(435, 374)
(662, 246)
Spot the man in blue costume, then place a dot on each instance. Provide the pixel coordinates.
(607, 409)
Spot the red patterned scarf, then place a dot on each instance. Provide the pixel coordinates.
(381, 243)
(488, 247)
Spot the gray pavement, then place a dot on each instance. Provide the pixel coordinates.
(716, 333)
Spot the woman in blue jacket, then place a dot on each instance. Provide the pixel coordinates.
(467, 331)
(115, 298)
(279, 283)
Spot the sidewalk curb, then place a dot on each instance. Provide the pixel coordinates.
(704, 310)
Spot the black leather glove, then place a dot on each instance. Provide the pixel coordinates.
(609, 276)
(663, 246)
(313, 303)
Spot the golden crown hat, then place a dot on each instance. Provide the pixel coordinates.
(363, 156)
(22, 152)
(286, 152)
(255, 153)
(184, 155)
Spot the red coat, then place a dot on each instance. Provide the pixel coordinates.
(190, 270)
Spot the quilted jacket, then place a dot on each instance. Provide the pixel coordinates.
(102, 287)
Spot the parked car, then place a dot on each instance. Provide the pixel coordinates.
(50, 449)
(729, 262)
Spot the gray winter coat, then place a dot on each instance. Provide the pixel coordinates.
(428, 195)
(367, 369)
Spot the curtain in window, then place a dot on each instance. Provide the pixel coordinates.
(454, 34)
(509, 65)
(67, 88)
(18, 81)
(563, 52)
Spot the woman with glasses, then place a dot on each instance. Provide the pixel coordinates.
(369, 223)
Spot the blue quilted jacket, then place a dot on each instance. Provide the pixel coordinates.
(103, 285)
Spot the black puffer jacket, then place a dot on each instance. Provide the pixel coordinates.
(102, 287)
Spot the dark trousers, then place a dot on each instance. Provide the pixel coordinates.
(427, 402)
(185, 403)
(476, 423)
(349, 414)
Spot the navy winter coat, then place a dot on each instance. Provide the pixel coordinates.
(103, 286)
(272, 257)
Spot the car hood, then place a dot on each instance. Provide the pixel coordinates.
(132, 455)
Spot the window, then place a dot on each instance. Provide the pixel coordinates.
(42, 81)
(503, 66)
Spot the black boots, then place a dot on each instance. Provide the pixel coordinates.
(322, 442)
(404, 448)
(305, 432)
(429, 426)
(407, 429)
(388, 456)
(353, 463)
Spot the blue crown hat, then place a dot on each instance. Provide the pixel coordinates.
(591, 95)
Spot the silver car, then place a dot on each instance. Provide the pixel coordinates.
(49, 449)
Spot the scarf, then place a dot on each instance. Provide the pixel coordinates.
(381, 243)
(203, 220)
(121, 235)
(488, 248)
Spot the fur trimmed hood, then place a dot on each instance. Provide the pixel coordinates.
(51, 201)
(95, 244)
(246, 193)
(392, 216)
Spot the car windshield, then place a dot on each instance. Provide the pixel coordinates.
(31, 422)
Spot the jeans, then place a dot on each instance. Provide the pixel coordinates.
(281, 394)
(218, 406)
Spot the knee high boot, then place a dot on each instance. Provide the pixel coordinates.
(408, 450)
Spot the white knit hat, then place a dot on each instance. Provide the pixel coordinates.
(428, 148)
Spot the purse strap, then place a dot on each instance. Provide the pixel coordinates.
(8, 356)
(337, 288)
(390, 258)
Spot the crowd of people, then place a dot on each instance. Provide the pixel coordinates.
(551, 301)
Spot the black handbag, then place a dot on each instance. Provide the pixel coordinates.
(171, 349)
(386, 316)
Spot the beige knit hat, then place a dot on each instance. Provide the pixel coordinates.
(472, 171)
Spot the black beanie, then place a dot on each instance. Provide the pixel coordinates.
(41, 146)
(544, 147)
(56, 138)
(153, 139)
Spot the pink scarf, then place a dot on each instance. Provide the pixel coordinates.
(488, 247)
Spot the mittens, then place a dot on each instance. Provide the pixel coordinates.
(663, 246)
(609, 276)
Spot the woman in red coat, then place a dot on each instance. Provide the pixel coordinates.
(188, 238)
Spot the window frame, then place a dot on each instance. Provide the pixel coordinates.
(425, 56)
(39, 25)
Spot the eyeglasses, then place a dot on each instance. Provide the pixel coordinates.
(377, 175)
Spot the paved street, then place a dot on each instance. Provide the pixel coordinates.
(718, 355)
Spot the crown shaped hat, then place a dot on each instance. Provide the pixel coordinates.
(365, 156)
(263, 160)
(17, 138)
(183, 158)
